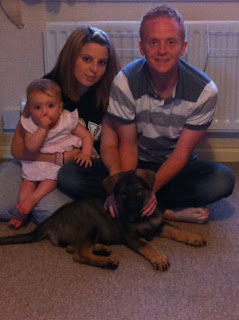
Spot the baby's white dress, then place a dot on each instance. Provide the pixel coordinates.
(59, 139)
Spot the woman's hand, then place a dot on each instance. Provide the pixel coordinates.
(83, 159)
(111, 206)
(150, 206)
(70, 155)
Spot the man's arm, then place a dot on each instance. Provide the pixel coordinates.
(174, 164)
(119, 148)
(119, 151)
(179, 157)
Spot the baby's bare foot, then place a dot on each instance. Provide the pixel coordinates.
(18, 221)
(194, 215)
(26, 206)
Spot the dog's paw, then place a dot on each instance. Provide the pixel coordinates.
(161, 263)
(196, 241)
(101, 250)
(111, 264)
(70, 249)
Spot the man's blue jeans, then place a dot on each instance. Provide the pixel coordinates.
(198, 184)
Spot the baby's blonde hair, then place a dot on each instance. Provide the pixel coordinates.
(46, 86)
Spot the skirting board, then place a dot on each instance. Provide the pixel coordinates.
(215, 154)
(219, 154)
(5, 152)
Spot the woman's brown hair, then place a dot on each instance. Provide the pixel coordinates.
(63, 72)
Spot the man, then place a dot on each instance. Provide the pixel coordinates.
(159, 110)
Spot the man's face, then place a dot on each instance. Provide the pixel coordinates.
(162, 45)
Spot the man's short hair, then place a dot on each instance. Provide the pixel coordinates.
(162, 11)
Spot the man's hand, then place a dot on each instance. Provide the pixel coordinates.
(148, 209)
(111, 206)
(150, 206)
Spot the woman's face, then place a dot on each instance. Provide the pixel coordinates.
(91, 64)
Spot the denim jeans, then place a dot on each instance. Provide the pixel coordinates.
(79, 182)
(10, 183)
(198, 184)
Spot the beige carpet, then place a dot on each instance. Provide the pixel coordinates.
(41, 282)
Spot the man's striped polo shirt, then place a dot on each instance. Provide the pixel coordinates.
(160, 122)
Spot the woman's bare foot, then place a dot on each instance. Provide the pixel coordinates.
(194, 215)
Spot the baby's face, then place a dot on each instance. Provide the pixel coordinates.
(45, 109)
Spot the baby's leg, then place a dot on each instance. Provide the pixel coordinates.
(26, 190)
(31, 196)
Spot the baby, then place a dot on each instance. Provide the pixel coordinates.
(48, 129)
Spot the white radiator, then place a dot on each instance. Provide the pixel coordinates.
(213, 46)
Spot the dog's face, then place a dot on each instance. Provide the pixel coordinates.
(131, 190)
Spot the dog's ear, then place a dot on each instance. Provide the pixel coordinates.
(146, 175)
(110, 182)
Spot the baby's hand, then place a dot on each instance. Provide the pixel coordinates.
(45, 122)
(82, 159)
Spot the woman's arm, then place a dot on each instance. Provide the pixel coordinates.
(187, 142)
(20, 152)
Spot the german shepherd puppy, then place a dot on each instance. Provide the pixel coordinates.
(86, 228)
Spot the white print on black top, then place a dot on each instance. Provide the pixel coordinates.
(94, 128)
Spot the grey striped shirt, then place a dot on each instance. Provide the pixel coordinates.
(160, 122)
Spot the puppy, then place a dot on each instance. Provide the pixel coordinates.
(86, 228)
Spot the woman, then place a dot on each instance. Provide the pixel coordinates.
(84, 70)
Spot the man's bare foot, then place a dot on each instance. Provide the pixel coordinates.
(194, 215)
(18, 221)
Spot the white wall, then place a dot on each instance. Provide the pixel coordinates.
(21, 54)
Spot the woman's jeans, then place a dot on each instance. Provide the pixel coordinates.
(198, 184)
(10, 184)
(79, 182)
